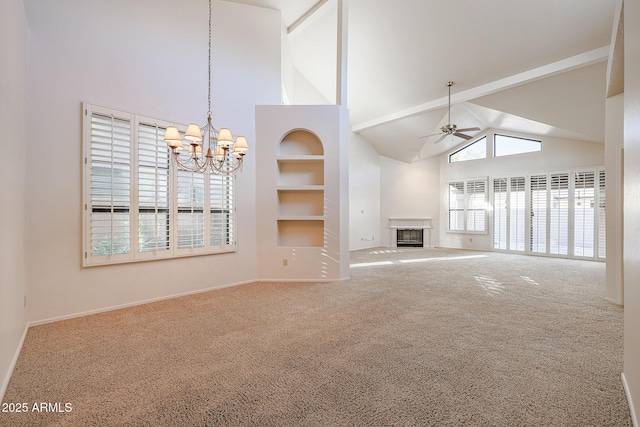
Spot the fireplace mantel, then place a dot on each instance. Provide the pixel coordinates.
(410, 223)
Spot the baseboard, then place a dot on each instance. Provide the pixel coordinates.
(133, 304)
(627, 392)
(5, 381)
(301, 280)
(613, 301)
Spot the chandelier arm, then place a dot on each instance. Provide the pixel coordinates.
(225, 167)
(187, 165)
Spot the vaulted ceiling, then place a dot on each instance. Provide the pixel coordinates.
(532, 67)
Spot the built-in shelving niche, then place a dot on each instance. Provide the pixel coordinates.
(300, 190)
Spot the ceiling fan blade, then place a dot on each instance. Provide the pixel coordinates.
(441, 138)
(468, 129)
(462, 135)
(427, 136)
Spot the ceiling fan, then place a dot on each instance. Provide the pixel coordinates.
(451, 129)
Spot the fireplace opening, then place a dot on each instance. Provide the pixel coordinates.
(410, 238)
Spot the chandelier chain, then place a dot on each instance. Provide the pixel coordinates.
(209, 112)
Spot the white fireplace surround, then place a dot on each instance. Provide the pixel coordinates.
(410, 224)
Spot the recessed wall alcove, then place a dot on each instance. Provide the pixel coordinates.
(303, 218)
(300, 190)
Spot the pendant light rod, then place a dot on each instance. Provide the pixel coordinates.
(449, 84)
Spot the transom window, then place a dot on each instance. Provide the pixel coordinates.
(504, 145)
(137, 204)
(473, 151)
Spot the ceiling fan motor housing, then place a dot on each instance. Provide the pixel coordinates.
(449, 129)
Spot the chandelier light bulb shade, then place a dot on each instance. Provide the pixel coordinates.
(241, 145)
(173, 138)
(227, 154)
(193, 133)
(225, 138)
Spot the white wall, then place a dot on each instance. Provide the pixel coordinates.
(13, 121)
(106, 53)
(614, 134)
(409, 190)
(556, 154)
(632, 204)
(364, 191)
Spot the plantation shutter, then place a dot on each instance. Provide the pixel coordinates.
(517, 213)
(456, 206)
(539, 214)
(584, 214)
(137, 203)
(153, 189)
(602, 217)
(476, 205)
(221, 200)
(559, 214)
(500, 213)
(190, 209)
(110, 185)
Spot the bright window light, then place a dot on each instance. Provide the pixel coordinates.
(371, 264)
(504, 145)
(473, 151)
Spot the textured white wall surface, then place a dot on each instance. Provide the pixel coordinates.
(13, 214)
(364, 194)
(632, 204)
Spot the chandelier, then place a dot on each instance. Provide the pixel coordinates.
(223, 154)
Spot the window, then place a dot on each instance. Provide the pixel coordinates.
(562, 215)
(500, 208)
(475, 150)
(559, 214)
(602, 218)
(137, 204)
(509, 213)
(456, 206)
(584, 213)
(467, 205)
(539, 210)
(153, 189)
(516, 213)
(504, 145)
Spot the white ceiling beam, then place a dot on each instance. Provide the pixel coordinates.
(568, 64)
(615, 66)
(341, 52)
(305, 20)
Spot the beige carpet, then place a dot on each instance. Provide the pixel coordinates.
(452, 338)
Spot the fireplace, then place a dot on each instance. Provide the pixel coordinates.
(407, 237)
(410, 232)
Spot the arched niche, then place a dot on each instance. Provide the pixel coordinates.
(300, 142)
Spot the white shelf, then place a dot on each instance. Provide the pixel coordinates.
(301, 188)
(300, 218)
(301, 158)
